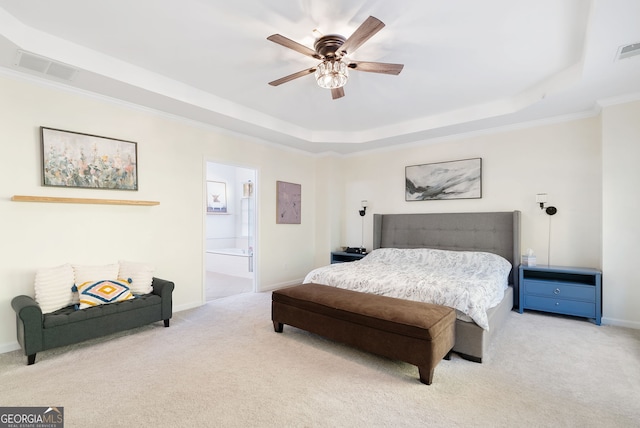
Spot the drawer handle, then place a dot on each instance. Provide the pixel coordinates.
(556, 291)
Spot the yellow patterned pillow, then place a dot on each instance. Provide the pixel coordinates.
(94, 293)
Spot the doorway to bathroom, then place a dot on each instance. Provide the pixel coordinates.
(230, 230)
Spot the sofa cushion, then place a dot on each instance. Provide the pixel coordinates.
(101, 292)
(53, 287)
(70, 314)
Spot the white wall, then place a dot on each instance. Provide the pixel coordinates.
(569, 161)
(329, 191)
(621, 208)
(588, 167)
(171, 155)
(562, 160)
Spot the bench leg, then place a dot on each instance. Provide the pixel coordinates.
(278, 327)
(426, 375)
(31, 359)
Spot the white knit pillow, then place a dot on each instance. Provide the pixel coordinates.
(53, 288)
(140, 274)
(95, 273)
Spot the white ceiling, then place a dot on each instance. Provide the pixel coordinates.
(469, 65)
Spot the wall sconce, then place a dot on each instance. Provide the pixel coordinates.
(541, 198)
(247, 189)
(363, 211)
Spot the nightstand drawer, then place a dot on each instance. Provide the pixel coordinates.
(559, 290)
(560, 306)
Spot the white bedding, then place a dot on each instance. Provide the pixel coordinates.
(470, 282)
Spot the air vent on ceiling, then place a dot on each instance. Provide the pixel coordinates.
(629, 50)
(44, 65)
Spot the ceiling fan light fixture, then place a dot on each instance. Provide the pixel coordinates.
(332, 74)
(332, 49)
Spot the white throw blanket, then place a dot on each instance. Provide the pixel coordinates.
(470, 282)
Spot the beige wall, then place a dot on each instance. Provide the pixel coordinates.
(329, 208)
(172, 156)
(620, 213)
(564, 160)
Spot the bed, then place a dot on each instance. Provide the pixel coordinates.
(484, 234)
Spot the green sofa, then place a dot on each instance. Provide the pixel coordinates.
(37, 332)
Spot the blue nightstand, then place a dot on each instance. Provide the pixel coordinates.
(561, 290)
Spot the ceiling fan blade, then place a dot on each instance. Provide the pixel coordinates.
(376, 67)
(288, 43)
(337, 93)
(290, 77)
(363, 33)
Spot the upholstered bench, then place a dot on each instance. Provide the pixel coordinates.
(417, 333)
(38, 332)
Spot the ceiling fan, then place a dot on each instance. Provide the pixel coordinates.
(332, 50)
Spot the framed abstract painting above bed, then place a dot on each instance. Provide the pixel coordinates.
(477, 253)
(461, 179)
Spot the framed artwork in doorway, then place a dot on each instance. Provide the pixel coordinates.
(459, 179)
(216, 197)
(288, 203)
(73, 159)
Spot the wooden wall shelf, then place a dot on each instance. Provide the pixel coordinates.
(19, 198)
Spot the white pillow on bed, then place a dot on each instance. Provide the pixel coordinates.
(477, 263)
(430, 256)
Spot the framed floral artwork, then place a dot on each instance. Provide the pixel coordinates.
(73, 159)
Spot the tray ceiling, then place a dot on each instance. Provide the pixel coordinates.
(469, 65)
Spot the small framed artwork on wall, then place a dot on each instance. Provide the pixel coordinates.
(288, 203)
(460, 179)
(216, 197)
(73, 159)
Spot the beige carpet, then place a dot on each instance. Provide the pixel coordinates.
(220, 285)
(221, 365)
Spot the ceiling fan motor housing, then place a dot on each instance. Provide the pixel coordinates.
(328, 45)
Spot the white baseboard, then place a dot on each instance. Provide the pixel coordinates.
(9, 347)
(280, 285)
(621, 323)
(186, 306)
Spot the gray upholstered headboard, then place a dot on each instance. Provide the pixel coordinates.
(493, 232)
